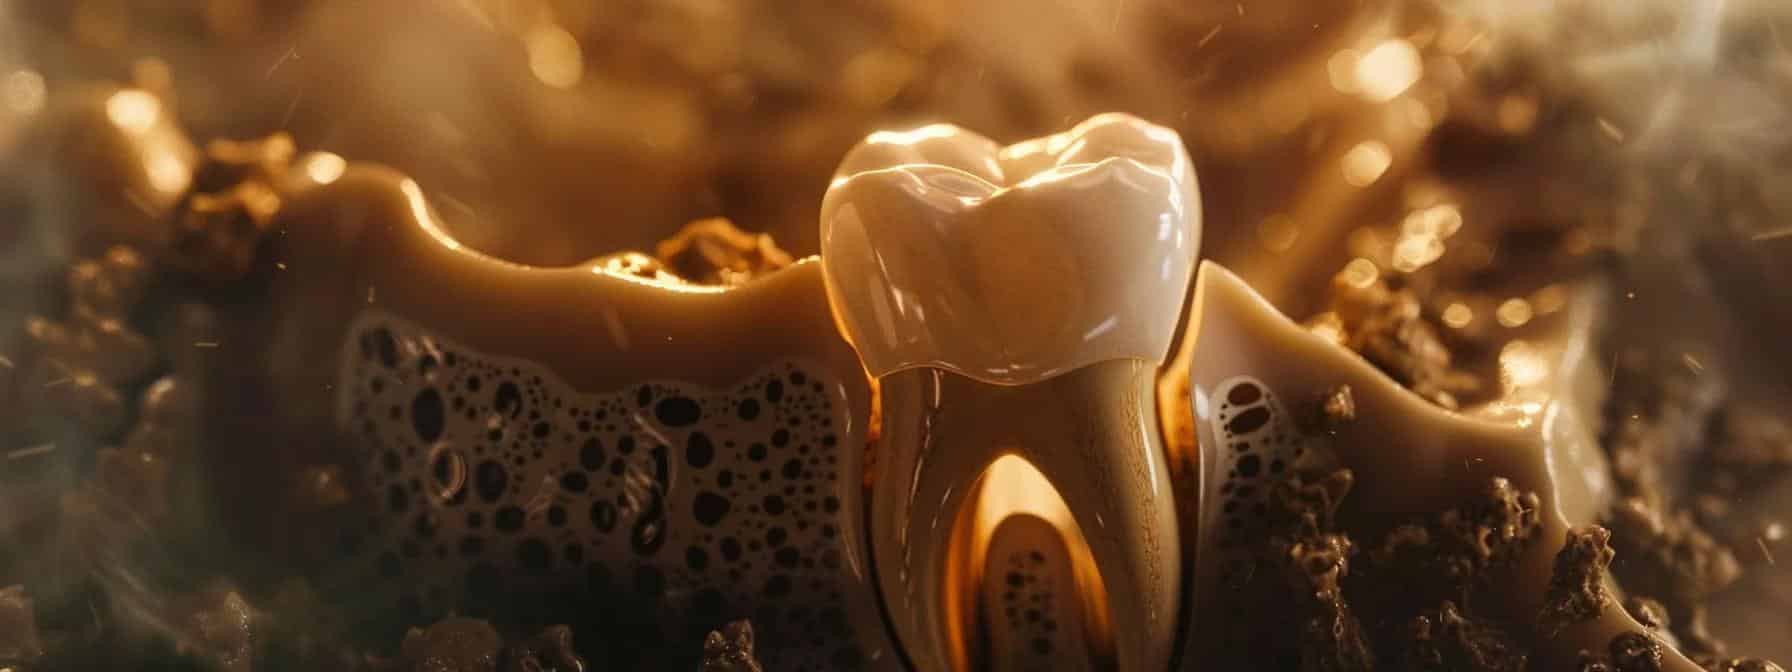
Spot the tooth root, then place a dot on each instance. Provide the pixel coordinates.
(922, 479)
(1029, 591)
(1110, 468)
(1089, 432)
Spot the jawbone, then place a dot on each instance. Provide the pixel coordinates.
(576, 438)
(582, 433)
(1229, 398)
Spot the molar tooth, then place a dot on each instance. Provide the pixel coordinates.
(540, 434)
(1018, 302)
(1229, 401)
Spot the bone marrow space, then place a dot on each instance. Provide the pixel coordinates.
(494, 478)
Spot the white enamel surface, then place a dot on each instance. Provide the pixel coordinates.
(1011, 265)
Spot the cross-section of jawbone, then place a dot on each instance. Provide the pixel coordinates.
(580, 440)
(1240, 402)
(1017, 301)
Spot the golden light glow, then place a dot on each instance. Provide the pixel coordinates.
(1515, 312)
(1458, 315)
(1441, 221)
(1549, 299)
(554, 56)
(1366, 162)
(1415, 252)
(167, 173)
(413, 196)
(133, 110)
(1327, 325)
(1388, 70)
(1521, 365)
(1341, 69)
(1422, 236)
(24, 91)
(627, 266)
(1360, 273)
(324, 167)
(1012, 485)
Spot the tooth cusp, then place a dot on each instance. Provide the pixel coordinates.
(935, 144)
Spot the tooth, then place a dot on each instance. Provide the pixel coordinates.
(1030, 594)
(1017, 304)
(1243, 368)
(692, 451)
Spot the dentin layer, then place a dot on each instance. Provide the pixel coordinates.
(1017, 301)
(1249, 370)
(546, 434)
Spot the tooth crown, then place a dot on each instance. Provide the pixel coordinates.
(1016, 264)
